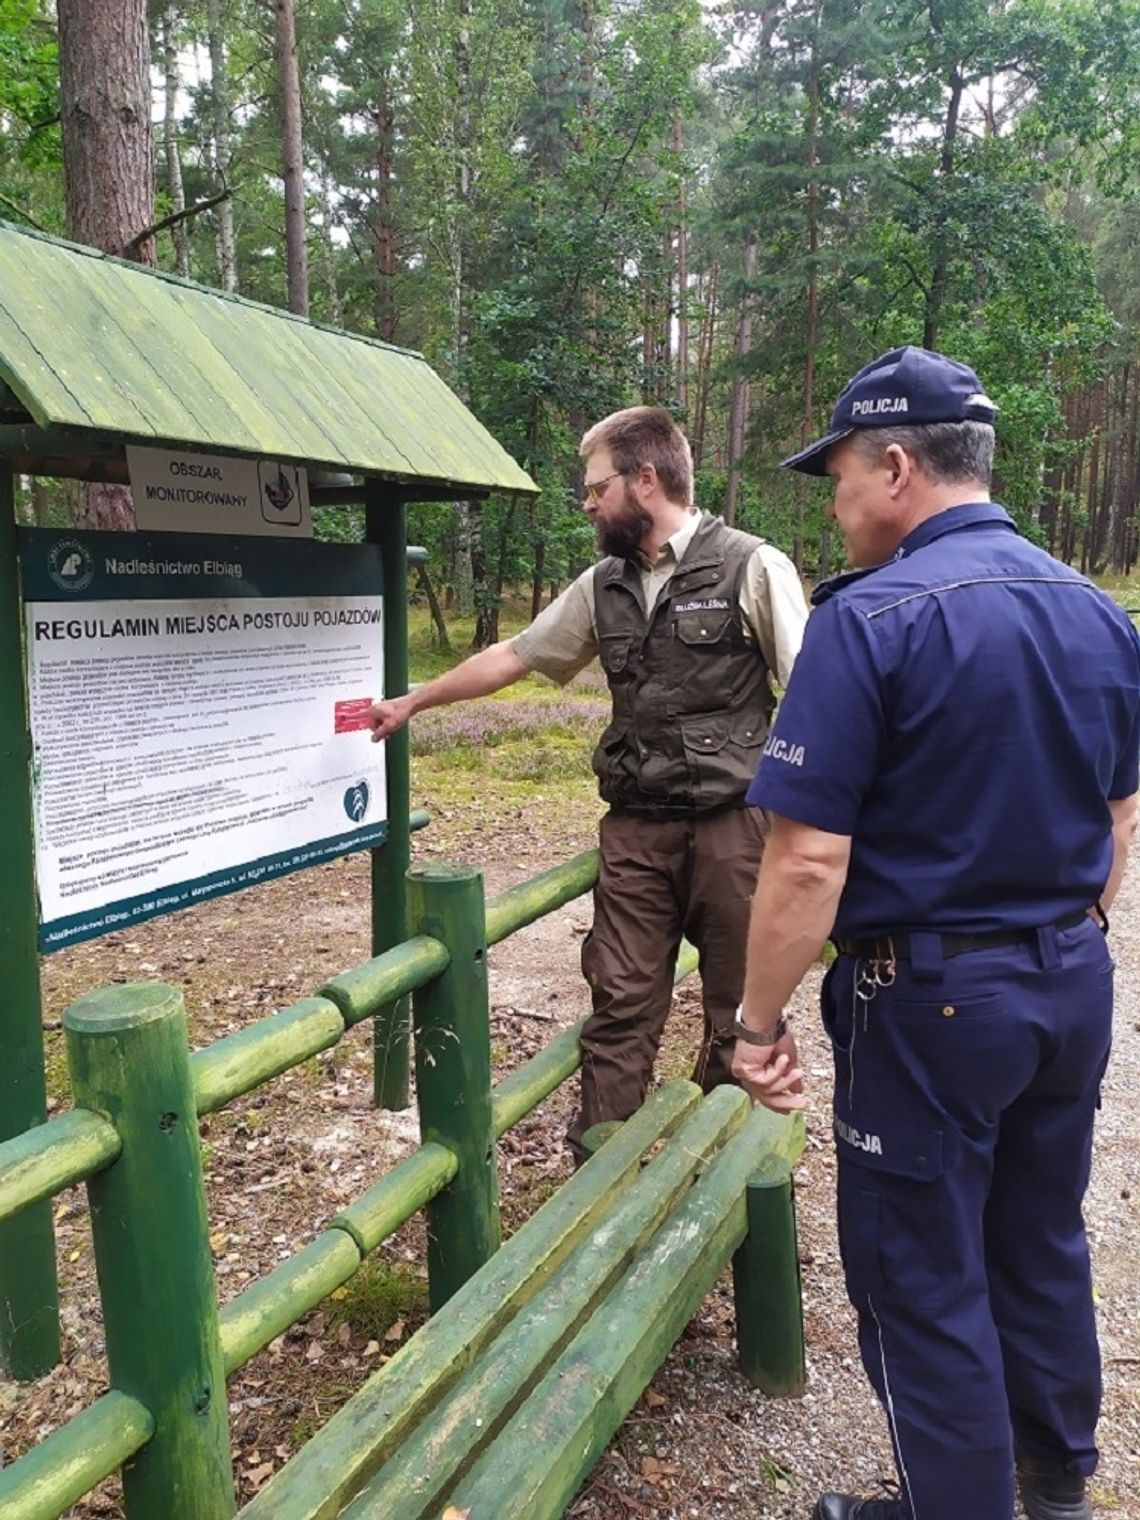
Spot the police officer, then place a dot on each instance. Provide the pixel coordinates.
(693, 621)
(952, 780)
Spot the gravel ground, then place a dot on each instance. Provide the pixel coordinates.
(736, 1454)
(701, 1445)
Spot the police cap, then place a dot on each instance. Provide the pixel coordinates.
(905, 387)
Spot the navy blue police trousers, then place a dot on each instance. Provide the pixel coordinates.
(965, 1091)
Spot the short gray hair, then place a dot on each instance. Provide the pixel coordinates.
(946, 451)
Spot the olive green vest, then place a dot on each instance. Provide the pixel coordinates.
(691, 695)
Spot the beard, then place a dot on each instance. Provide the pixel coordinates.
(622, 533)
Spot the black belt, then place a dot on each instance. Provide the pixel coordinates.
(896, 945)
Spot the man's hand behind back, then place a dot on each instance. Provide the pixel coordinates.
(771, 1073)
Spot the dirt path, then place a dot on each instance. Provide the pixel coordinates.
(279, 1163)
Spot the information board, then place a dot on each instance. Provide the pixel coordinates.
(197, 717)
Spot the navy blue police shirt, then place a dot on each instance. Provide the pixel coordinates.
(963, 712)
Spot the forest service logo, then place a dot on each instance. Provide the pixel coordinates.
(70, 565)
(356, 801)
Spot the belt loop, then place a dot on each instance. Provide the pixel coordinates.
(1047, 951)
(925, 956)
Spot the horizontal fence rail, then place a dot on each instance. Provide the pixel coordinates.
(43, 1161)
(514, 1097)
(70, 1149)
(366, 989)
(73, 1459)
(533, 899)
(268, 1307)
(82, 1145)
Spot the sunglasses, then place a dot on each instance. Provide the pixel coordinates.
(594, 488)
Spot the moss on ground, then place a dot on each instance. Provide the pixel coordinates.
(380, 1293)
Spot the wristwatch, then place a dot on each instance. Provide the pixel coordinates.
(759, 1036)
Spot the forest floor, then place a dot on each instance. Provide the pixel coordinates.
(507, 787)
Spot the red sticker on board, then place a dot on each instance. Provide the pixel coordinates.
(351, 714)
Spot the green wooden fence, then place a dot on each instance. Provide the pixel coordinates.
(133, 1139)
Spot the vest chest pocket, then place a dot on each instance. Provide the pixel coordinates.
(702, 627)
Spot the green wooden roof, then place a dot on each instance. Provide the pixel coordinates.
(130, 355)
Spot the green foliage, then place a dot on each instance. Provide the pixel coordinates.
(31, 154)
(900, 164)
(339, 525)
(500, 185)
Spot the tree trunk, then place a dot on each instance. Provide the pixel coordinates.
(1078, 428)
(705, 339)
(583, 25)
(811, 336)
(471, 557)
(648, 337)
(461, 208)
(496, 601)
(538, 576)
(682, 272)
(824, 550)
(462, 572)
(486, 605)
(1110, 476)
(936, 295)
(171, 149)
(384, 236)
(41, 505)
(738, 415)
(108, 144)
(1131, 477)
(665, 305)
(442, 641)
(292, 158)
(1093, 506)
(220, 105)
(108, 157)
(328, 251)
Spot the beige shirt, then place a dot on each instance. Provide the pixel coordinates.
(563, 639)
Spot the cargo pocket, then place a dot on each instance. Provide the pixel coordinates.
(614, 653)
(749, 734)
(897, 1229)
(705, 741)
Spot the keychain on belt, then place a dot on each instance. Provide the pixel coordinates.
(870, 975)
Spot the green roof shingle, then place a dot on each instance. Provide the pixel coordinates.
(134, 356)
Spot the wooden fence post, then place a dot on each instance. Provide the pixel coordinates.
(386, 518)
(128, 1055)
(453, 1074)
(766, 1287)
(29, 1300)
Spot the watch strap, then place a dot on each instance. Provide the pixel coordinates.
(759, 1036)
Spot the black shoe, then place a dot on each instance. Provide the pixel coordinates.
(1049, 1492)
(847, 1507)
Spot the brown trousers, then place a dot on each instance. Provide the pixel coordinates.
(661, 879)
